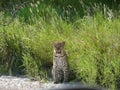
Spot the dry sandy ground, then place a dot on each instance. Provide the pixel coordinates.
(19, 83)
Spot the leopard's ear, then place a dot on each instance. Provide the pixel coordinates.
(63, 43)
(54, 43)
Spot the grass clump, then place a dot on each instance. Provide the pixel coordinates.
(95, 52)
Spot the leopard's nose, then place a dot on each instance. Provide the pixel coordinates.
(58, 52)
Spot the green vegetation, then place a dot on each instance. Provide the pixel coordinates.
(91, 33)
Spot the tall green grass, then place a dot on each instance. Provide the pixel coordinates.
(92, 44)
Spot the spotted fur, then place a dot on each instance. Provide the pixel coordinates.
(60, 69)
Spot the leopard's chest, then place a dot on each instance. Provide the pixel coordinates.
(60, 62)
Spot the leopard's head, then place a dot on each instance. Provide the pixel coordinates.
(58, 47)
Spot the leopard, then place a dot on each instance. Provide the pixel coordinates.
(60, 69)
